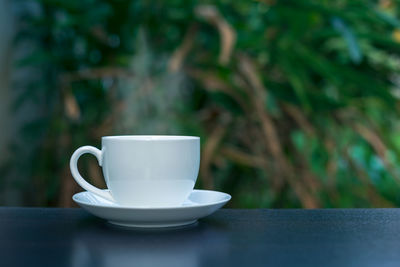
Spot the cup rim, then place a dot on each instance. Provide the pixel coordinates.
(150, 137)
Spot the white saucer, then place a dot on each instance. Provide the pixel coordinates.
(199, 204)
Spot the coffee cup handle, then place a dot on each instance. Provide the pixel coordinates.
(73, 164)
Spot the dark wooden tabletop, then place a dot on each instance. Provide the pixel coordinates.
(72, 237)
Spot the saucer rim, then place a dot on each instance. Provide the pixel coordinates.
(227, 198)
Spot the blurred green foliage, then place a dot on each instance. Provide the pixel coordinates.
(296, 102)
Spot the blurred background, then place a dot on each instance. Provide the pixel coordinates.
(296, 102)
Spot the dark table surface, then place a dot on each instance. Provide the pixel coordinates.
(72, 237)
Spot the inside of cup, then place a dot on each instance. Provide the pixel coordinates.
(152, 137)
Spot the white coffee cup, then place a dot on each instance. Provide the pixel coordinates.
(144, 170)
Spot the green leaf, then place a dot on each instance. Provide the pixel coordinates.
(348, 35)
(389, 19)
